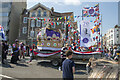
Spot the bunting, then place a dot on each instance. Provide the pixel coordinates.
(95, 29)
(96, 20)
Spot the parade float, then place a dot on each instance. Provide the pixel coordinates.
(50, 42)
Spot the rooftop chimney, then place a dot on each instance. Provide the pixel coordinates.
(52, 9)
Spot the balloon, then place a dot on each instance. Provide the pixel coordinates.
(99, 33)
(69, 25)
(76, 46)
(98, 30)
(96, 37)
(69, 48)
(89, 47)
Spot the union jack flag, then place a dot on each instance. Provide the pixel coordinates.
(2, 34)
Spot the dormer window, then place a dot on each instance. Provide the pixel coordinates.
(45, 14)
(33, 14)
(39, 13)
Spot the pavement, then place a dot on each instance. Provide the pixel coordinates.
(36, 69)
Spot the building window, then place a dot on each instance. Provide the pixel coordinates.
(111, 30)
(45, 14)
(31, 33)
(25, 20)
(4, 14)
(5, 5)
(117, 29)
(112, 42)
(24, 30)
(33, 14)
(38, 23)
(112, 36)
(32, 23)
(4, 23)
(117, 35)
(39, 13)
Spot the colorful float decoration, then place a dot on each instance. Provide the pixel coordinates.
(48, 39)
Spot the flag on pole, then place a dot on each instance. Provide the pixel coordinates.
(2, 34)
(91, 11)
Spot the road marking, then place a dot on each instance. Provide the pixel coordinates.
(7, 77)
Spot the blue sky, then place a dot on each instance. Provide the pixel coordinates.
(108, 9)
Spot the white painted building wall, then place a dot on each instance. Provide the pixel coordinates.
(113, 37)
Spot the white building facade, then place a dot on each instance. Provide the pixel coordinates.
(113, 37)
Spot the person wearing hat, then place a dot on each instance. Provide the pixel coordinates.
(63, 56)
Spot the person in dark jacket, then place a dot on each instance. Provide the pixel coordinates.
(15, 54)
(68, 66)
(27, 49)
(6, 50)
(3, 52)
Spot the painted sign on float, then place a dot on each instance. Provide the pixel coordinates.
(85, 33)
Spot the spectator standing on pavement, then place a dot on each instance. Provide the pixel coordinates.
(109, 55)
(17, 44)
(27, 50)
(32, 53)
(15, 54)
(111, 50)
(6, 50)
(68, 66)
(63, 55)
(88, 67)
(114, 51)
(3, 52)
(105, 51)
(10, 50)
(22, 50)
